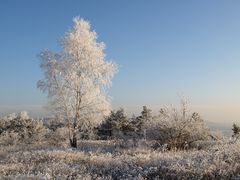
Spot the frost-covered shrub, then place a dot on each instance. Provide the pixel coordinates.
(9, 138)
(59, 136)
(22, 128)
(54, 123)
(176, 128)
(199, 145)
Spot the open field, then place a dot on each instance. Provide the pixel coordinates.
(115, 160)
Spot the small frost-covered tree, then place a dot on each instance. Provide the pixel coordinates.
(116, 125)
(146, 116)
(236, 130)
(77, 78)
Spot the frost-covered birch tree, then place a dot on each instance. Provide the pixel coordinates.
(77, 78)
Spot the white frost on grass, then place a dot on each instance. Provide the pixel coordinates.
(221, 160)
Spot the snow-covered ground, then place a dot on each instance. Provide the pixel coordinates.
(115, 160)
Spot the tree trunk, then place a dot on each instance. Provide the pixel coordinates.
(73, 141)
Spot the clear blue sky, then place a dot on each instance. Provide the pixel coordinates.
(165, 49)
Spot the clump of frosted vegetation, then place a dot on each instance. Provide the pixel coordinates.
(177, 128)
(21, 128)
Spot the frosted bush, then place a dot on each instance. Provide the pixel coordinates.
(176, 128)
(9, 138)
(23, 115)
(22, 128)
(58, 136)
